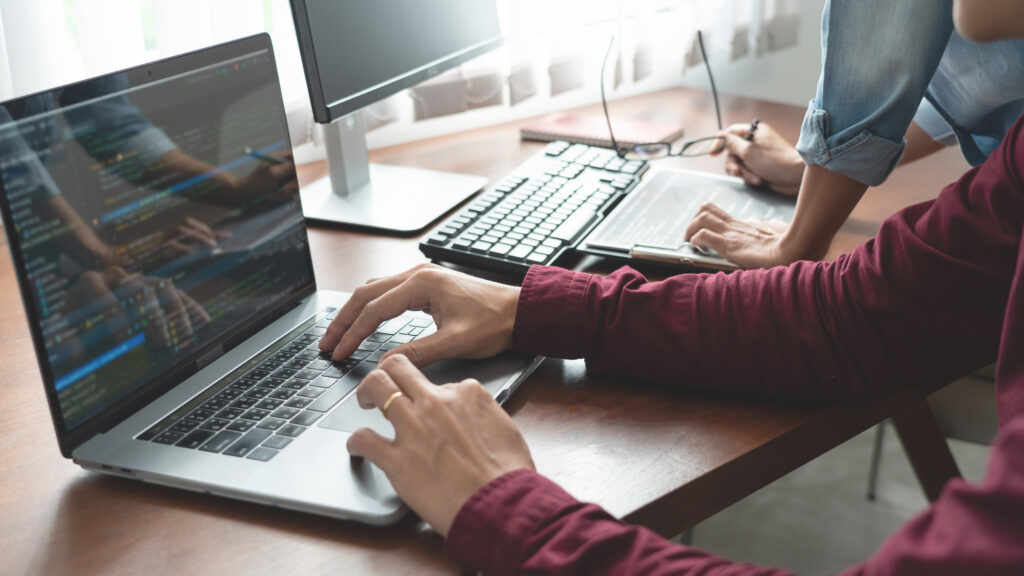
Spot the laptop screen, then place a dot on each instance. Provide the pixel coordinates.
(151, 213)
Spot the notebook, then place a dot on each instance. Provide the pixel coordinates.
(592, 130)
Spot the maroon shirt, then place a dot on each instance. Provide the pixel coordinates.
(937, 293)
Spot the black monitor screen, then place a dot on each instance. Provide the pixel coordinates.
(356, 52)
(151, 213)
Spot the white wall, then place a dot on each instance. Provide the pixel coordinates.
(788, 76)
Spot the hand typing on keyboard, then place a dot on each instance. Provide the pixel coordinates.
(474, 317)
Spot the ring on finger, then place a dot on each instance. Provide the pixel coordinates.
(387, 403)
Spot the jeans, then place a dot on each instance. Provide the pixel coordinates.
(880, 59)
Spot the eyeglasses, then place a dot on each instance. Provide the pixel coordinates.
(656, 150)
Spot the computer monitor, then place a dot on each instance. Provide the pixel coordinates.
(356, 52)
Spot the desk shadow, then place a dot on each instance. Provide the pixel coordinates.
(99, 515)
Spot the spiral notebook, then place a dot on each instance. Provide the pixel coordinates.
(593, 130)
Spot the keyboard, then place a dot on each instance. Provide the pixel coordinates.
(258, 409)
(539, 212)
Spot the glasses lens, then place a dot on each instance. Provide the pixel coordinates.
(649, 151)
(703, 146)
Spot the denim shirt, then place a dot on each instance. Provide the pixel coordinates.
(885, 64)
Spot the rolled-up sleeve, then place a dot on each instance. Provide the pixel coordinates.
(878, 57)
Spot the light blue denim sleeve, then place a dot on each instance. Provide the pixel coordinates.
(878, 57)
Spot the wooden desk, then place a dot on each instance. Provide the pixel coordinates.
(652, 454)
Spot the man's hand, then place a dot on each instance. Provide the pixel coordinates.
(474, 317)
(450, 441)
(753, 243)
(766, 160)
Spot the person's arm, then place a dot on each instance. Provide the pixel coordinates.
(878, 58)
(458, 460)
(756, 244)
(524, 523)
(921, 303)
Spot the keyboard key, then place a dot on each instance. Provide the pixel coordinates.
(402, 338)
(298, 402)
(256, 414)
(308, 374)
(519, 252)
(500, 250)
(241, 425)
(195, 439)
(376, 356)
(480, 246)
(311, 391)
(306, 417)
(575, 224)
(258, 392)
(215, 424)
(270, 403)
(536, 258)
(282, 394)
(247, 443)
(215, 404)
(262, 454)
(198, 415)
(244, 403)
(230, 413)
(277, 442)
(291, 430)
(220, 441)
(319, 365)
(421, 322)
(284, 413)
(184, 426)
(272, 424)
(295, 385)
(335, 393)
(169, 437)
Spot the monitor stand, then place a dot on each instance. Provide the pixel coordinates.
(395, 199)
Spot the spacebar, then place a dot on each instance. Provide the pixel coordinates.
(570, 229)
(341, 388)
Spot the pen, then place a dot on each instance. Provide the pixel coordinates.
(263, 157)
(753, 129)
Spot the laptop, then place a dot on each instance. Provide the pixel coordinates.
(158, 240)
(650, 223)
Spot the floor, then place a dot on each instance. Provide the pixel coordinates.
(816, 520)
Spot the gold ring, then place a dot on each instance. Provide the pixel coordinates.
(387, 403)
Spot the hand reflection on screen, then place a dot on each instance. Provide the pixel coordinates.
(125, 303)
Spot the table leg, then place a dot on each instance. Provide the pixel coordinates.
(926, 447)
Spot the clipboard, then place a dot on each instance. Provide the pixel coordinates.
(648, 226)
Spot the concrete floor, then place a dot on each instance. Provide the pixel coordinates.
(816, 520)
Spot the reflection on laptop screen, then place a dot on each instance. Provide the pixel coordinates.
(150, 218)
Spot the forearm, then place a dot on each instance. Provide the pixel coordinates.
(919, 145)
(919, 304)
(524, 523)
(825, 201)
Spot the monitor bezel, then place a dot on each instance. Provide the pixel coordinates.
(326, 112)
(117, 412)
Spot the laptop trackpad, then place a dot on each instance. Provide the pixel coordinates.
(349, 417)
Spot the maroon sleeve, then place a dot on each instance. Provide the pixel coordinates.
(922, 303)
(523, 523)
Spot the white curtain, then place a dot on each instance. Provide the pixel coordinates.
(550, 60)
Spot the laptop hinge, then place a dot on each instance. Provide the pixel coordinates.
(206, 359)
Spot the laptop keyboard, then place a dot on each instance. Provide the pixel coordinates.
(257, 410)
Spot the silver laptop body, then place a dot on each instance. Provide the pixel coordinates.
(159, 245)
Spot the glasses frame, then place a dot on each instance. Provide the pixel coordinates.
(667, 146)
